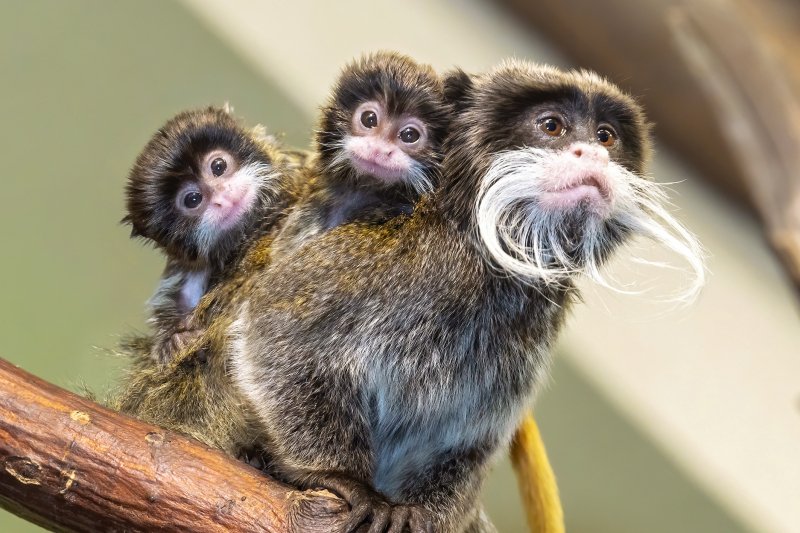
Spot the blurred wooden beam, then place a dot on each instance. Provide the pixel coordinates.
(744, 62)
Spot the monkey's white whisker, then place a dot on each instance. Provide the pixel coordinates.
(418, 179)
(526, 239)
(652, 263)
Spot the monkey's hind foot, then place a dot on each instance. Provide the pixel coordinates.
(400, 519)
(370, 512)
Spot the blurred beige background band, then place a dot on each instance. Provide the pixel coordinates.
(717, 383)
(273, 35)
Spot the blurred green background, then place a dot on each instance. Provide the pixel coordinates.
(84, 84)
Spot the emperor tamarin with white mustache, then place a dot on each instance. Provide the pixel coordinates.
(391, 363)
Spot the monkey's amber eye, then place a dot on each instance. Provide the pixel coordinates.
(552, 126)
(409, 135)
(606, 137)
(192, 199)
(369, 119)
(218, 167)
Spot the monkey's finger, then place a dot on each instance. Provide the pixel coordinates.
(400, 516)
(176, 344)
(381, 515)
(359, 511)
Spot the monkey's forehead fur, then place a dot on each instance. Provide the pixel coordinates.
(403, 85)
(173, 155)
(489, 106)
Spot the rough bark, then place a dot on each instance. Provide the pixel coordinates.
(69, 464)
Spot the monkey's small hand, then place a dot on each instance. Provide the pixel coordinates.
(168, 348)
(370, 512)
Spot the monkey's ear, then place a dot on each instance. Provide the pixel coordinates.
(457, 87)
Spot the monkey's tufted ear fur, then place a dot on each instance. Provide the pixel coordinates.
(457, 86)
(128, 220)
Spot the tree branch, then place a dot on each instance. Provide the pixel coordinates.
(69, 464)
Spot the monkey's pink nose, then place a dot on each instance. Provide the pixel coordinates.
(590, 152)
(227, 199)
(382, 152)
(222, 202)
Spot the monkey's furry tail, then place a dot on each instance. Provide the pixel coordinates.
(537, 482)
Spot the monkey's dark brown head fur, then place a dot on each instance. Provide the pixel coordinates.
(494, 114)
(403, 87)
(170, 160)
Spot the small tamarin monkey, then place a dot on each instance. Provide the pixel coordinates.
(201, 186)
(377, 146)
(377, 149)
(392, 363)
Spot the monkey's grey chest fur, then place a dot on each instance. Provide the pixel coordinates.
(415, 364)
(414, 427)
(457, 387)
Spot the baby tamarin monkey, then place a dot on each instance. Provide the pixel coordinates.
(377, 146)
(201, 186)
(392, 363)
(203, 182)
(377, 150)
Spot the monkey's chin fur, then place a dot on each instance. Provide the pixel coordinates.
(413, 176)
(224, 230)
(528, 235)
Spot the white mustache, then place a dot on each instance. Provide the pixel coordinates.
(525, 240)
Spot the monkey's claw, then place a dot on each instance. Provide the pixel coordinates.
(412, 518)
